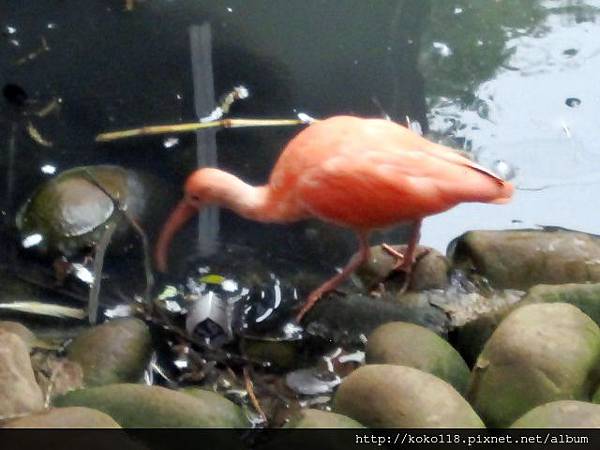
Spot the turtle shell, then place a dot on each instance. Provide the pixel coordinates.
(69, 212)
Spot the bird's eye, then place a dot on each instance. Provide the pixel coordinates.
(195, 197)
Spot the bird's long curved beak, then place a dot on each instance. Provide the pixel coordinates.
(183, 212)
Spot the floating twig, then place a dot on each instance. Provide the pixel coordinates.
(44, 47)
(252, 395)
(194, 126)
(52, 106)
(37, 137)
(51, 383)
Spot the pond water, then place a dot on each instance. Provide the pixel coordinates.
(511, 81)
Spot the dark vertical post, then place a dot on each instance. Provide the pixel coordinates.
(204, 101)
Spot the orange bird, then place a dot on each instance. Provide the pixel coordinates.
(362, 174)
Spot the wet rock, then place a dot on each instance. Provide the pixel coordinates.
(399, 396)
(68, 213)
(312, 381)
(470, 338)
(467, 313)
(19, 392)
(74, 417)
(465, 305)
(281, 354)
(539, 353)
(20, 330)
(561, 414)
(430, 270)
(348, 319)
(114, 352)
(315, 418)
(585, 296)
(520, 259)
(133, 405)
(406, 344)
(55, 375)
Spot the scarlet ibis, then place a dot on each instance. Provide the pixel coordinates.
(358, 173)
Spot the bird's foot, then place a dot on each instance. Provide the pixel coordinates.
(405, 263)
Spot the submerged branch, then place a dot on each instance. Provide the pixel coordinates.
(94, 298)
(140, 232)
(250, 389)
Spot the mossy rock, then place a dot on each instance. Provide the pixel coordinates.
(430, 270)
(561, 414)
(520, 259)
(470, 338)
(585, 296)
(539, 353)
(383, 395)
(115, 352)
(19, 392)
(406, 344)
(314, 418)
(20, 330)
(140, 406)
(74, 417)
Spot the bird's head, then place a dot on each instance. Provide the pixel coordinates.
(201, 189)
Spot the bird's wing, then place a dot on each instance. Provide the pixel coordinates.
(452, 156)
(388, 186)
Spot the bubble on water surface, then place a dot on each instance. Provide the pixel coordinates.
(504, 170)
(48, 169)
(442, 49)
(170, 142)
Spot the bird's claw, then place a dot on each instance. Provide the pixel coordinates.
(403, 264)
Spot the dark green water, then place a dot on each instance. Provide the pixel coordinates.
(508, 80)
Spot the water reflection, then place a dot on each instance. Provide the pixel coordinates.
(539, 115)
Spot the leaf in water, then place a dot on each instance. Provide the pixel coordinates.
(37, 136)
(212, 279)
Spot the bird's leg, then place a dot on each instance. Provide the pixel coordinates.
(335, 281)
(406, 259)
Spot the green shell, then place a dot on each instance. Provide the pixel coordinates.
(69, 212)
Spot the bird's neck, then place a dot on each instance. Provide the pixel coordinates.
(251, 202)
